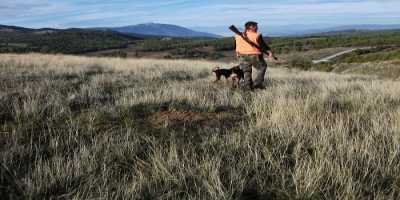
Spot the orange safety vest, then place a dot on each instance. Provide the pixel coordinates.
(242, 47)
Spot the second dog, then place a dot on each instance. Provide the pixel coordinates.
(234, 73)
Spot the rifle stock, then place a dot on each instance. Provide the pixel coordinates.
(235, 30)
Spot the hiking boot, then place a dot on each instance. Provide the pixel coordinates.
(260, 87)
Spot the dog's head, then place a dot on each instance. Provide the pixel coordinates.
(234, 76)
(215, 69)
(235, 80)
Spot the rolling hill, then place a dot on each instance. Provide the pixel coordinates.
(351, 29)
(68, 41)
(102, 128)
(169, 30)
(17, 29)
(298, 29)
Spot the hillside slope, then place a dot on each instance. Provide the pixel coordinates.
(89, 128)
(170, 30)
(69, 41)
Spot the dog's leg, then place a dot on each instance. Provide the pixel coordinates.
(217, 77)
(227, 78)
(234, 79)
(217, 74)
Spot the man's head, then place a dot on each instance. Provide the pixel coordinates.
(251, 26)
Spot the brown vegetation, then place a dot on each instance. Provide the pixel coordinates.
(81, 128)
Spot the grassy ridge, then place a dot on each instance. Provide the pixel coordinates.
(362, 56)
(285, 44)
(77, 41)
(71, 41)
(74, 127)
(381, 62)
(356, 39)
(213, 49)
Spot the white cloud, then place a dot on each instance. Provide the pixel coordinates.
(16, 11)
(194, 13)
(216, 14)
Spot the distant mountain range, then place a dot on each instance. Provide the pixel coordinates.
(16, 30)
(300, 29)
(139, 30)
(169, 30)
(15, 39)
(4, 28)
(353, 28)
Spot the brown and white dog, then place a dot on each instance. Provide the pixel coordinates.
(234, 73)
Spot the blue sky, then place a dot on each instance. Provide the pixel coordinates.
(201, 14)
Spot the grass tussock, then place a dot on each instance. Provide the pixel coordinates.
(382, 69)
(92, 128)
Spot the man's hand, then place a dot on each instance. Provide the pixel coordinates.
(270, 55)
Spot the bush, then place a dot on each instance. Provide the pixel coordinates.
(177, 76)
(300, 62)
(371, 56)
(325, 67)
(117, 54)
(186, 53)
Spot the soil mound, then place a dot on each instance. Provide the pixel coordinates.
(187, 117)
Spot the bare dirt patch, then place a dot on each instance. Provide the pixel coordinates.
(396, 62)
(188, 117)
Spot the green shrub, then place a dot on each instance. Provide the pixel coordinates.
(300, 62)
(325, 67)
(371, 56)
(118, 54)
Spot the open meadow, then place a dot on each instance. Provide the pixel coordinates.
(108, 128)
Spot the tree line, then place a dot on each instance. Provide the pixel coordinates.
(68, 42)
(283, 44)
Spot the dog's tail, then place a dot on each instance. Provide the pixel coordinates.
(215, 69)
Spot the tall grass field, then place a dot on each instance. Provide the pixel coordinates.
(108, 128)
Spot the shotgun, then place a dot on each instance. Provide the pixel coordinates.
(237, 32)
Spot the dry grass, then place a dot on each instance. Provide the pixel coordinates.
(386, 69)
(81, 128)
(285, 59)
(314, 54)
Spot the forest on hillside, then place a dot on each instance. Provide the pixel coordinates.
(78, 41)
(285, 44)
(72, 41)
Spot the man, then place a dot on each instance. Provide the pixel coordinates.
(251, 58)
